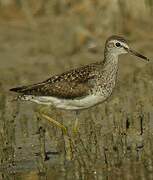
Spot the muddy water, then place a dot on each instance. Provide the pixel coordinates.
(114, 140)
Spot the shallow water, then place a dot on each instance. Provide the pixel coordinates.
(114, 140)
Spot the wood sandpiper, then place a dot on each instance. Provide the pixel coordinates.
(82, 87)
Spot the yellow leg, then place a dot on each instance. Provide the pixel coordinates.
(41, 113)
(67, 139)
(54, 122)
(39, 110)
(76, 127)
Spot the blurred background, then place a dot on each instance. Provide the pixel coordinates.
(39, 38)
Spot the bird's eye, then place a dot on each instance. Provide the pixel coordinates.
(118, 44)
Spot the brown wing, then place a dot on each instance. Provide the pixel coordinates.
(71, 84)
(58, 89)
(81, 74)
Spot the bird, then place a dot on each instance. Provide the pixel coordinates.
(82, 87)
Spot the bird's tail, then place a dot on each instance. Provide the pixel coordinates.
(18, 89)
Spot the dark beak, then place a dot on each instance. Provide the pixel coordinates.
(136, 54)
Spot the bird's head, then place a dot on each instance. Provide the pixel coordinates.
(117, 45)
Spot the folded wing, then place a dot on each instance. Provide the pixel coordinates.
(72, 84)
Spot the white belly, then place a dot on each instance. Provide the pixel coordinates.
(74, 104)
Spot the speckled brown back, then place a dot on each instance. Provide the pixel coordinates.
(71, 84)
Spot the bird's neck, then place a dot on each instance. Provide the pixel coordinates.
(110, 65)
(110, 60)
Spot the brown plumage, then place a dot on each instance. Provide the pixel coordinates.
(71, 84)
(81, 87)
